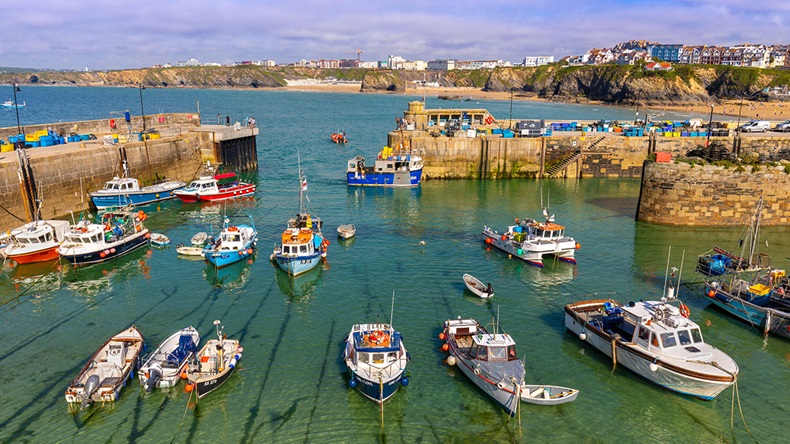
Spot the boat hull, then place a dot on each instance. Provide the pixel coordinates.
(375, 391)
(296, 265)
(230, 193)
(226, 257)
(121, 247)
(778, 322)
(507, 397)
(638, 362)
(44, 255)
(394, 179)
(206, 377)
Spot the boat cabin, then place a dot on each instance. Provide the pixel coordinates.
(543, 230)
(656, 326)
(376, 347)
(493, 347)
(203, 184)
(120, 185)
(83, 235)
(33, 235)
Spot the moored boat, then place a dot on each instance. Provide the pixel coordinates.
(36, 241)
(487, 359)
(123, 191)
(163, 367)
(12, 104)
(477, 287)
(346, 231)
(376, 359)
(159, 239)
(208, 189)
(214, 363)
(302, 245)
(763, 303)
(339, 137)
(531, 240)
(234, 243)
(119, 233)
(106, 372)
(655, 340)
(547, 394)
(401, 169)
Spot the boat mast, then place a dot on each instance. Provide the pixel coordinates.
(755, 228)
(392, 310)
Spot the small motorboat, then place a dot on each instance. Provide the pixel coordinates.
(35, 241)
(159, 239)
(547, 394)
(477, 287)
(235, 242)
(214, 363)
(208, 189)
(106, 372)
(339, 137)
(12, 104)
(163, 367)
(346, 231)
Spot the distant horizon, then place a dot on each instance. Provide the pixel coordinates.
(53, 35)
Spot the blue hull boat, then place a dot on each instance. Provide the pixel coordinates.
(402, 169)
(376, 359)
(120, 192)
(385, 179)
(296, 265)
(235, 242)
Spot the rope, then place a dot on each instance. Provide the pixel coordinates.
(186, 408)
(12, 214)
(737, 393)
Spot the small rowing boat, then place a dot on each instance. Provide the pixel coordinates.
(346, 231)
(159, 239)
(547, 394)
(477, 287)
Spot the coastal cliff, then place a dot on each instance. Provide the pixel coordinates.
(615, 84)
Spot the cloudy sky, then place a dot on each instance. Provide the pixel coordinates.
(137, 33)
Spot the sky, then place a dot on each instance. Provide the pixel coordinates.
(93, 34)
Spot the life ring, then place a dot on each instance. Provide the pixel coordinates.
(489, 120)
(233, 228)
(380, 336)
(112, 123)
(684, 310)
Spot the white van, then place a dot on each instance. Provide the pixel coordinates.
(756, 126)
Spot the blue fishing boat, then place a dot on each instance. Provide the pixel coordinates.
(401, 169)
(376, 360)
(764, 303)
(302, 245)
(234, 243)
(121, 191)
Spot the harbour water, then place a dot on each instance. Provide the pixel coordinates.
(291, 385)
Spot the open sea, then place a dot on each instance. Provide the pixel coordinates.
(291, 385)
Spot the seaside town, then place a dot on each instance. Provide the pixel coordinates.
(535, 250)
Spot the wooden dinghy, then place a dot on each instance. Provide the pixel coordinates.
(547, 394)
(477, 287)
(346, 231)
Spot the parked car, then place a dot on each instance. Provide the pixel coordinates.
(756, 126)
(783, 127)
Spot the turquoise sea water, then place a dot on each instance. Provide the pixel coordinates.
(291, 384)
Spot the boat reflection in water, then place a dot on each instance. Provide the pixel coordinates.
(232, 276)
(298, 288)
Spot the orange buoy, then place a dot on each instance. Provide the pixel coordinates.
(183, 375)
(445, 346)
(442, 336)
(503, 237)
(147, 235)
(488, 240)
(711, 293)
(189, 387)
(578, 245)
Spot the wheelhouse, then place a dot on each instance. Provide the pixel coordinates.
(493, 348)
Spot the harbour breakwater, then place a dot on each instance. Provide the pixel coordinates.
(63, 175)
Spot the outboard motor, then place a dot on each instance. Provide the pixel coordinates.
(91, 385)
(154, 375)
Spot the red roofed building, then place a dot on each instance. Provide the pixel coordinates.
(658, 66)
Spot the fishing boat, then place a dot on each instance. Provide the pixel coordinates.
(487, 359)
(114, 235)
(122, 191)
(108, 369)
(36, 241)
(302, 245)
(656, 340)
(12, 104)
(763, 302)
(477, 287)
(346, 231)
(531, 240)
(159, 239)
(208, 189)
(719, 261)
(547, 394)
(163, 367)
(214, 363)
(234, 243)
(376, 359)
(401, 169)
(339, 137)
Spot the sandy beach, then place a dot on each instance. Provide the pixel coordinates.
(773, 111)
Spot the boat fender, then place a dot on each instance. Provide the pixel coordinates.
(451, 361)
(232, 364)
(583, 336)
(476, 371)
(500, 385)
(352, 383)
(404, 381)
(653, 367)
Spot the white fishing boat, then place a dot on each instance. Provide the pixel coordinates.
(108, 369)
(163, 367)
(547, 394)
(477, 287)
(159, 239)
(655, 340)
(214, 363)
(346, 231)
(36, 241)
(487, 359)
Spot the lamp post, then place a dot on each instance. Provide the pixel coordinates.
(510, 121)
(710, 126)
(16, 108)
(142, 111)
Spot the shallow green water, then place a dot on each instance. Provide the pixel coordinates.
(291, 384)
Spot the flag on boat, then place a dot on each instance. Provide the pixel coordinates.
(304, 185)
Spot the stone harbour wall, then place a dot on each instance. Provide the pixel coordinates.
(682, 194)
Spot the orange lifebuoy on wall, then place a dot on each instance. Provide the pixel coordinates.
(489, 120)
(112, 123)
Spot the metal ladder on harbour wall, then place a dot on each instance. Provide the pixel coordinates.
(566, 161)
